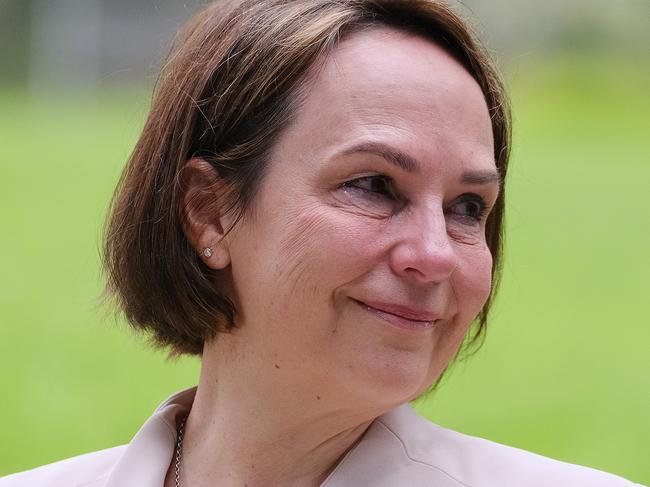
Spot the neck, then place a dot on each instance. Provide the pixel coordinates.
(251, 424)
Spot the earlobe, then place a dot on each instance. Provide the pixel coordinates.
(218, 258)
(203, 213)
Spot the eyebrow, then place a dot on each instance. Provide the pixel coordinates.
(411, 165)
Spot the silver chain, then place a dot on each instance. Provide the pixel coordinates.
(177, 457)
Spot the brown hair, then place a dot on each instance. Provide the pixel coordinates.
(230, 86)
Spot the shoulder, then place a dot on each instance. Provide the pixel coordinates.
(89, 470)
(475, 462)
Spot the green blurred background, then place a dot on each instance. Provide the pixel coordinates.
(565, 370)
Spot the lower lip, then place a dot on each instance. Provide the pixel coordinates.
(398, 321)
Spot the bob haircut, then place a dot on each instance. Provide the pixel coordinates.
(232, 82)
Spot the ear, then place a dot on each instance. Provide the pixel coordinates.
(203, 211)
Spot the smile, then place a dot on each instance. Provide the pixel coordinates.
(401, 317)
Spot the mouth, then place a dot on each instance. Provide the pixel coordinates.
(401, 316)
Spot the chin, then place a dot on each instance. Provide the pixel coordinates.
(396, 380)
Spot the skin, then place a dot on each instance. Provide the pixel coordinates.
(282, 398)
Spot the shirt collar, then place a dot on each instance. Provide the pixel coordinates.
(146, 459)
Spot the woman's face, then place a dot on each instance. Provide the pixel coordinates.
(364, 261)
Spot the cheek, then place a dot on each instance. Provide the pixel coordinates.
(325, 248)
(473, 281)
(300, 258)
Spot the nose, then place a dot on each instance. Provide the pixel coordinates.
(423, 252)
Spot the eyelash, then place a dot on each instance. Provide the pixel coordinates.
(481, 205)
(391, 193)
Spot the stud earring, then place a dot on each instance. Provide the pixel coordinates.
(207, 252)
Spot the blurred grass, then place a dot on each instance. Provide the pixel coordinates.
(565, 371)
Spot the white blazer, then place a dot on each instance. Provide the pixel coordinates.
(399, 449)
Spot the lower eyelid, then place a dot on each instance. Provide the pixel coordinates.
(362, 193)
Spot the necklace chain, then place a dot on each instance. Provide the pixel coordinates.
(177, 456)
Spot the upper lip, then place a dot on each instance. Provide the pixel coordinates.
(408, 312)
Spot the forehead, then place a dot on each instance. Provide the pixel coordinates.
(390, 86)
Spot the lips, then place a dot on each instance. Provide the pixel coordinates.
(400, 315)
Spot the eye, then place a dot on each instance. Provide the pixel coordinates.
(471, 207)
(376, 186)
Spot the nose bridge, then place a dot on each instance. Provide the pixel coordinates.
(425, 251)
(431, 224)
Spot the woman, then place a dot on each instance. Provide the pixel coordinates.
(315, 207)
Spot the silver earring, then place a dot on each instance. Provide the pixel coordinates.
(207, 252)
